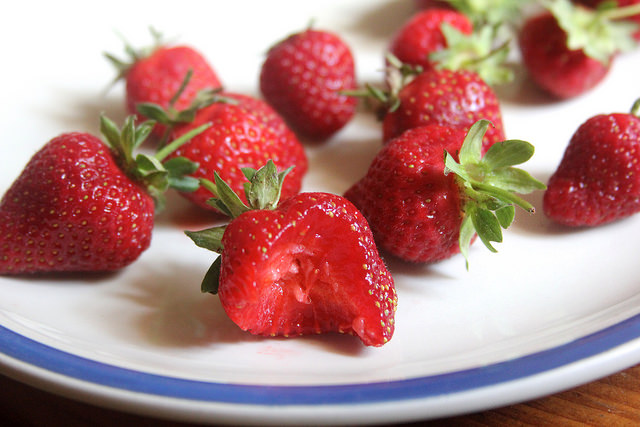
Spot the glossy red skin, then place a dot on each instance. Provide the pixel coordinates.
(292, 153)
(445, 97)
(310, 266)
(421, 35)
(598, 179)
(157, 78)
(236, 139)
(72, 209)
(557, 70)
(621, 3)
(302, 77)
(413, 208)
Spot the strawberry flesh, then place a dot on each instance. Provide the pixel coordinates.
(308, 267)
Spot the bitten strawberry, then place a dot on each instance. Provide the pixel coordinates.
(83, 205)
(444, 97)
(598, 179)
(235, 140)
(425, 206)
(281, 270)
(302, 78)
(154, 75)
(569, 50)
(422, 35)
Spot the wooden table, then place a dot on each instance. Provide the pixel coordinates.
(614, 400)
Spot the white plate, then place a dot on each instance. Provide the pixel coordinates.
(555, 308)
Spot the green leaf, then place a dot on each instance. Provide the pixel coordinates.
(592, 31)
(248, 173)
(507, 153)
(478, 52)
(450, 165)
(111, 133)
(180, 166)
(487, 227)
(466, 234)
(263, 191)
(505, 215)
(148, 164)
(153, 112)
(471, 150)
(186, 184)
(514, 180)
(143, 130)
(234, 204)
(210, 238)
(211, 280)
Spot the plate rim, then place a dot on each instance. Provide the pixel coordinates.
(610, 349)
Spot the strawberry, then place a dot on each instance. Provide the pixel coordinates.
(596, 4)
(568, 50)
(422, 35)
(302, 78)
(155, 75)
(445, 97)
(280, 271)
(83, 205)
(425, 206)
(598, 179)
(237, 139)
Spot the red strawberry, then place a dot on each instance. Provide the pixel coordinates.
(569, 50)
(448, 98)
(236, 139)
(422, 35)
(281, 271)
(302, 78)
(80, 205)
(598, 179)
(155, 75)
(595, 4)
(423, 206)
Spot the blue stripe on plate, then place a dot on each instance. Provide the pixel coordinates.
(49, 358)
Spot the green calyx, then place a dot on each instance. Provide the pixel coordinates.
(156, 174)
(262, 191)
(478, 52)
(489, 185)
(490, 12)
(598, 33)
(397, 75)
(635, 108)
(133, 55)
(170, 116)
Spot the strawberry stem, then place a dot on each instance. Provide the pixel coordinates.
(621, 12)
(177, 143)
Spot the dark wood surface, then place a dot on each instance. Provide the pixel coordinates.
(611, 401)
